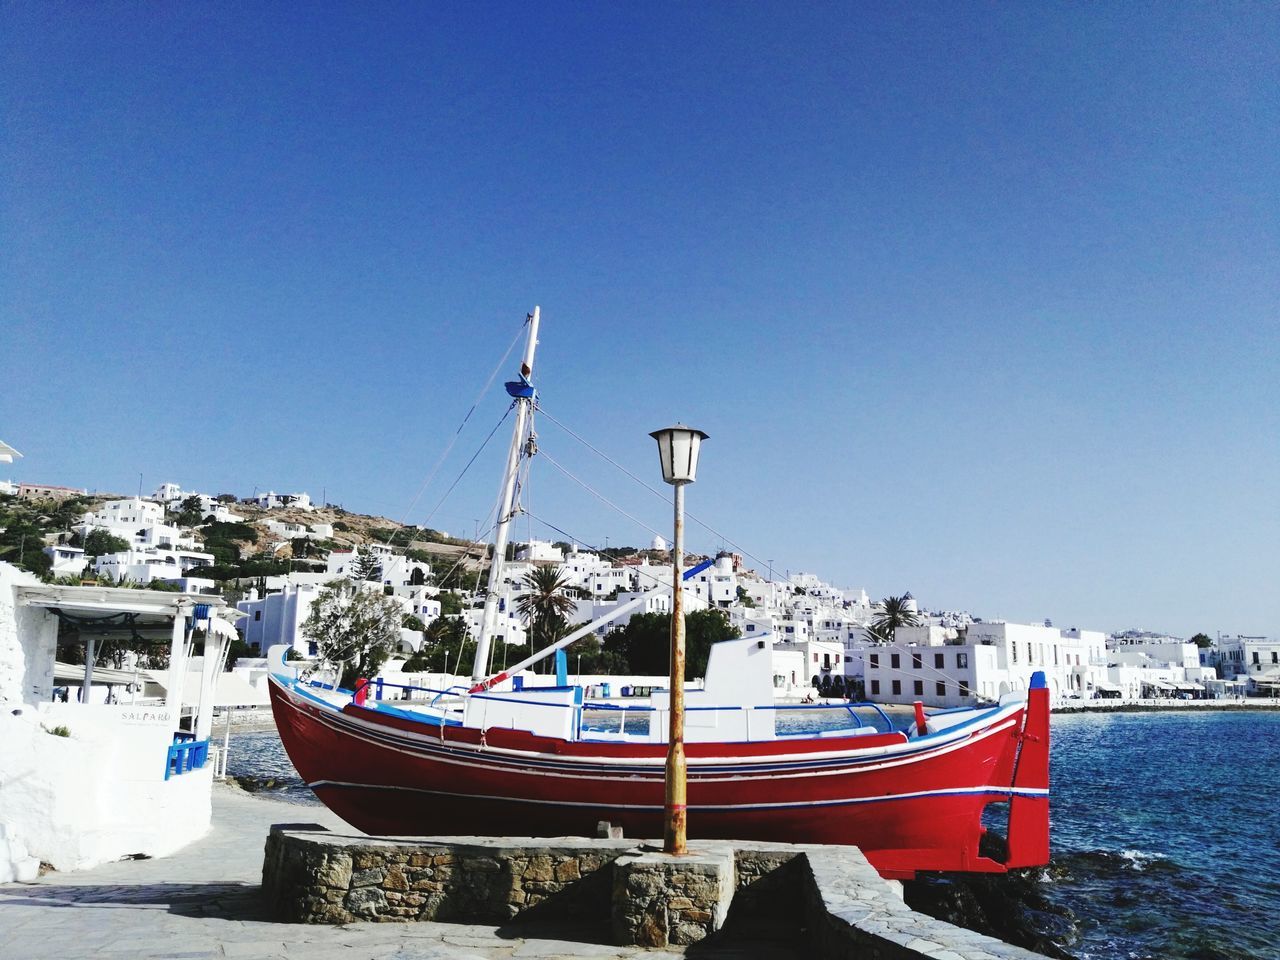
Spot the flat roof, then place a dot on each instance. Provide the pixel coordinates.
(157, 604)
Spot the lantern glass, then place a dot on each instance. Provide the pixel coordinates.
(678, 449)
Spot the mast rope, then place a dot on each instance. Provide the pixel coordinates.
(706, 526)
(658, 578)
(595, 493)
(456, 434)
(459, 477)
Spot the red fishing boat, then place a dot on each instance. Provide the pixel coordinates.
(548, 761)
(524, 763)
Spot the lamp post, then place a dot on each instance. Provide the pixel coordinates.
(678, 449)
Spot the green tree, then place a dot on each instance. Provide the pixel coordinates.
(894, 612)
(1202, 640)
(545, 606)
(644, 643)
(189, 512)
(365, 566)
(447, 645)
(450, 603)
(99, 542)
(303, 547)
(744, 598)
(354, 629)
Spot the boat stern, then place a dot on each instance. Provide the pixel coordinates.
(1029, 796)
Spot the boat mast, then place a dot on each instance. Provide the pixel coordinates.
(506, 500)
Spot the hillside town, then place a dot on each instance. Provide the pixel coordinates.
(271, 555)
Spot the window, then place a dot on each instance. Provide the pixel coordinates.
(917, 661)
(875, 688)
(897, 686)
(942, 689)
(1029, 656)
(1255, 656)
(894, 661)
(815, 658)
(962, 661)
(1055, 656)
(1275, 657)
(964, 689)
(1014, 648)
(917, 687)
(751, 628)
(875, 660)
(257, 614)
(938, 660)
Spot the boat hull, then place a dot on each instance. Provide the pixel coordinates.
(909, 805)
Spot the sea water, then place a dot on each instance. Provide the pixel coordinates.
(1165, 832)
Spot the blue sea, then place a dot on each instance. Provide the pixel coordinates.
(1165, 832)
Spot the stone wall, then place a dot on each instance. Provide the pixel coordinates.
(660, 900)
(311, 876)
(842, 908)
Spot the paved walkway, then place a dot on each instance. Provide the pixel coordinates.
(204, 902)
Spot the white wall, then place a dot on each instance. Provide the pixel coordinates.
(28, 637)
(99, 794)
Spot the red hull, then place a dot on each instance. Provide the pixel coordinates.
(909, 806)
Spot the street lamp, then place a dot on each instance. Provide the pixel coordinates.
(678, 449)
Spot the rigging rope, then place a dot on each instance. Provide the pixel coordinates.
(457, 433)
(599, 496)
(706, 526)
(459, 477)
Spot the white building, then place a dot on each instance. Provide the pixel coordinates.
(540, 552)
(589, 611)
(66, 561)
(283, 528)
(143, 566)
(1252, 659)
(277, 501)
(993, 659)
(138, 522)
(278, 618)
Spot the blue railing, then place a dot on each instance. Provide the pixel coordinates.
(186, 753)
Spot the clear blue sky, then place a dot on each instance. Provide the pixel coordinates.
(979, 301)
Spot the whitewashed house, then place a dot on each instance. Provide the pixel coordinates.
(279, 501)
(66, 561)
(139, 522)
(540, 552)
(143, 566)
(1255, 660)
(992, 659)
(278, 618)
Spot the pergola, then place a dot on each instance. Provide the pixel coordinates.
(104, 612)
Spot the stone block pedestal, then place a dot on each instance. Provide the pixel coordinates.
(661, 900)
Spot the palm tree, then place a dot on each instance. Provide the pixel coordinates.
(544, 606)
(894, 612)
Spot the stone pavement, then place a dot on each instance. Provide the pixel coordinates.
(205, 902)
